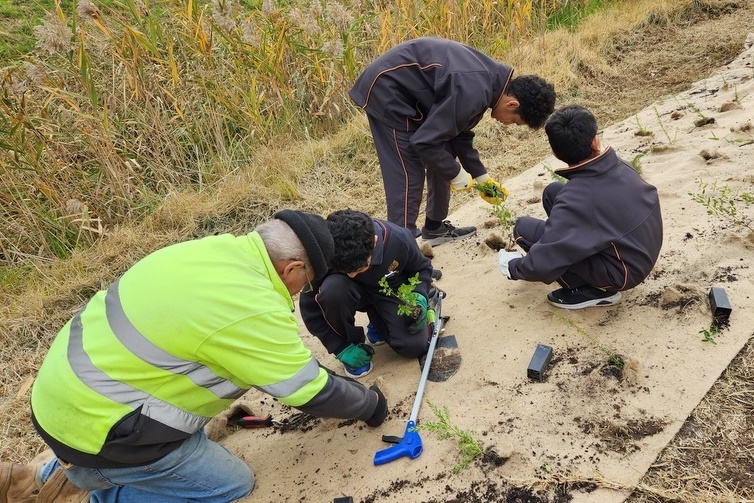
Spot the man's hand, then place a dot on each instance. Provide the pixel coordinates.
(356, 355)
(462, 181)
(503, 257)
(380, 413)
(421, 318)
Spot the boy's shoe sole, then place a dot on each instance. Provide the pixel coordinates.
(601, 302)
(446, 239)
(359, 372)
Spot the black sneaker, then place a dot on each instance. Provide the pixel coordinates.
(446, 232)
(436, 274)
(581, 297)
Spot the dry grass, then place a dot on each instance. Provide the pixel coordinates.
(616, 63)
(712, 456)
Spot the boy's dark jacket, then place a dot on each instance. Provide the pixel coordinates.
(606, 210)
(439, 90)
(397, 256)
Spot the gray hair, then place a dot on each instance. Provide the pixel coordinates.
(281, 242)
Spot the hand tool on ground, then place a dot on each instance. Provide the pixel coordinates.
(411, 443)
(243, 417)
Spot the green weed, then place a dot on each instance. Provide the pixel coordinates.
(708, 335)
(662, 127)
(641, 131)
(556, 177)
(444, 429)
(636, 162)
(722, 201)
(612, 356)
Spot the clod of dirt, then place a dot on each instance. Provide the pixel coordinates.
(489, 224)
(631, 371)
(427, 250)
(612, 370)
(709, 155)
(746, 126)
(703, 121)
(492, 456)
(619, 437)
(731, 105)
(676, 115)
(495, 241)
(679, 296)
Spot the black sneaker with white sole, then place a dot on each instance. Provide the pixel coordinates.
(581, 297)
(446, 232)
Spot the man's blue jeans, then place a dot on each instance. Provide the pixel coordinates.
(200, 470)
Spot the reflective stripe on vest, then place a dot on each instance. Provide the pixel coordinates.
(140, 346)
(145, 350)
(286, 388)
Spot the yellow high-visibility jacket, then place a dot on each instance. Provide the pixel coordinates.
(181, 335)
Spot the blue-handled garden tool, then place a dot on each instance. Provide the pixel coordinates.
(411, 443)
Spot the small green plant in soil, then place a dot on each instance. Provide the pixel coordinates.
(702, 120)
(504, 217)
(498, 195)
(470, 447)
(642, 131)
(662, 126)
(636, 162)
(722, 201)
(708, 334)
(556, 177)
(613, 358)
(405, 294)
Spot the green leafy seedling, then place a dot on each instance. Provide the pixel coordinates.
(405, 294)
(444, 429)
(708, 334)
(723, 202)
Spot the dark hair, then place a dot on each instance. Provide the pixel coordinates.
(536, 98)
(353, 234)
(570, 131)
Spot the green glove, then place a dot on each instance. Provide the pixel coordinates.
(356, 355)
(421, 316)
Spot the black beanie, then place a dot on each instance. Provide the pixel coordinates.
(314, 234)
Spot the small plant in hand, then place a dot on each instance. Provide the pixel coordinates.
(497, 195)
(470, 447)
(492, 191)
(405, 294)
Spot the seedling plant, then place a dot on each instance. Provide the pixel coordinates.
(497, 195)
(612, 357)
(708, 335)
(642, 131)
(662, 126)
(405, 294)
(469, 447)
(722, 201)
(556, 177)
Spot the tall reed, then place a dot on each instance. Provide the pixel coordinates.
(120, 104)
